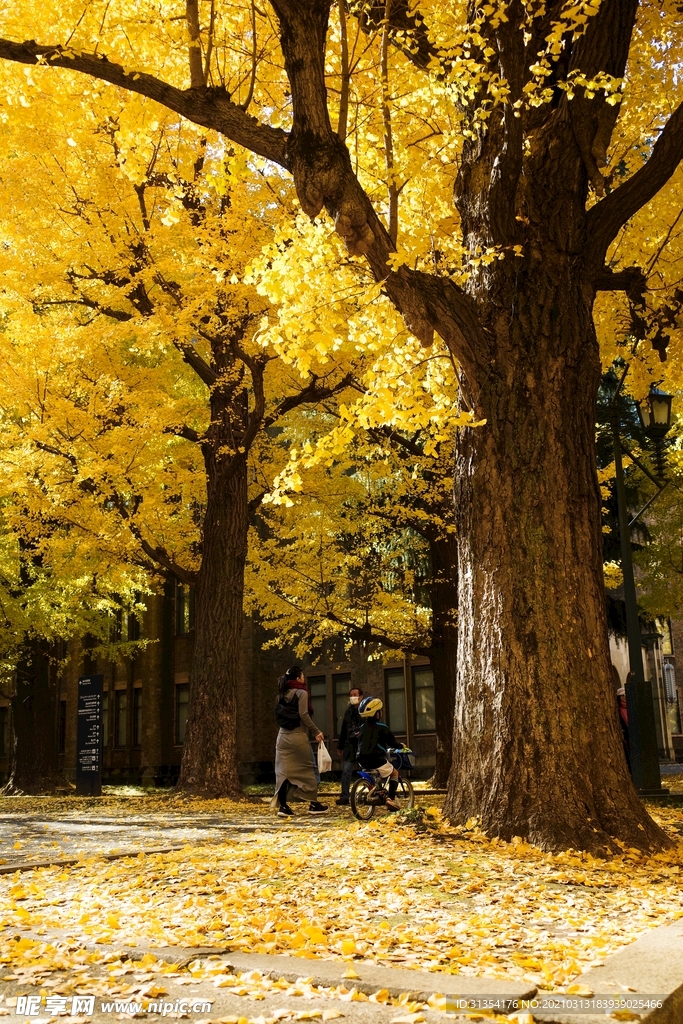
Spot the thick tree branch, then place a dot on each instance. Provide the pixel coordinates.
(256, 502)
(606, 219)
(603, 48)
(316, 391)
(160, 557)
(367, 634)
(212, 108)
(315, 155)
(407, 30)
(188, 433)
(198, 364)
(631, 280)
(114, 314)
(323, 175)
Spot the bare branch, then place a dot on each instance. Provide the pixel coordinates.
(607, 218)
(388, 130)
(195, 49)
(252, 79)
(209, 45)
(342, 123)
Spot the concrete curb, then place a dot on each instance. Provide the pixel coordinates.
(652, 965)
(371, 977)
(9, 869)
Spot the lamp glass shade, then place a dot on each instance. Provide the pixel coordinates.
(661, 409)
(655, 413)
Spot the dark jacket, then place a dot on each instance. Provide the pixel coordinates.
(373, 743)
(349, 732)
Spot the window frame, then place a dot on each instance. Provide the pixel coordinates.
(121, 715)
(61, 738)
(137, 716)
(318, 680)
(4, 731)
(183, 688)
(396, 670)
(336, 694)
(414, 671)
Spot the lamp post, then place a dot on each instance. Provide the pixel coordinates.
(655, 416)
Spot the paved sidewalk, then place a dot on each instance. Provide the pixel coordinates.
(29, 838)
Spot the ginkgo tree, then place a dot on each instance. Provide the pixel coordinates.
(482, 161)
(365, 553)
(136, 394)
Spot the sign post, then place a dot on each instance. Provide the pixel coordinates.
(89, 736)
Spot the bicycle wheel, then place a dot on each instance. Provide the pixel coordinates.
(362, 809)
(405, 794)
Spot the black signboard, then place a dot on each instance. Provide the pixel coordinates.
(89, 736)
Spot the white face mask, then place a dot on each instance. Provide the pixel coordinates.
(354, 700)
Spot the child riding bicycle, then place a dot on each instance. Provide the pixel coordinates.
(373, 743)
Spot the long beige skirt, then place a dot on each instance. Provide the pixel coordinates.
(294, 762)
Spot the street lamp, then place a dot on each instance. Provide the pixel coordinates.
(655, 414)
(655, 417)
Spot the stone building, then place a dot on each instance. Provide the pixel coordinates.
(146, 698)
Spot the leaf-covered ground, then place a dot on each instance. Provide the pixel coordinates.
(421, 895)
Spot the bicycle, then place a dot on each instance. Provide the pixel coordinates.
(370, 790)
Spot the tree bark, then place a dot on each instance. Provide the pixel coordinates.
(537, 751)
(209, 764)
(443, 654)
(34, 760)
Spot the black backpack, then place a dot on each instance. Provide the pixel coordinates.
(287, 713)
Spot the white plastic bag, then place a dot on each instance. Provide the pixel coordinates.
(324, 759)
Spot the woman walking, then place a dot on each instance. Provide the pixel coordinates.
(295, 776)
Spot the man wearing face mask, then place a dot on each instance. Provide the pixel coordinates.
(348, 741)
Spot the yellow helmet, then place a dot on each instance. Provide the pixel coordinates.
(369, 706)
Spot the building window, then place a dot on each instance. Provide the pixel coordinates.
(396, 699)
(137, 716)
(62, 726)
(182, 702)
(673, 712)
(317, 687)
(4, 730)
(105, 720)
(184, 609)
(120, 718)
(423, 694)
(341, 684)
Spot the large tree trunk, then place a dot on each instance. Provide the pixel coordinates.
(209, 759)
(34, 761)
(209, 765)
(537, 751)
(443, 654)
